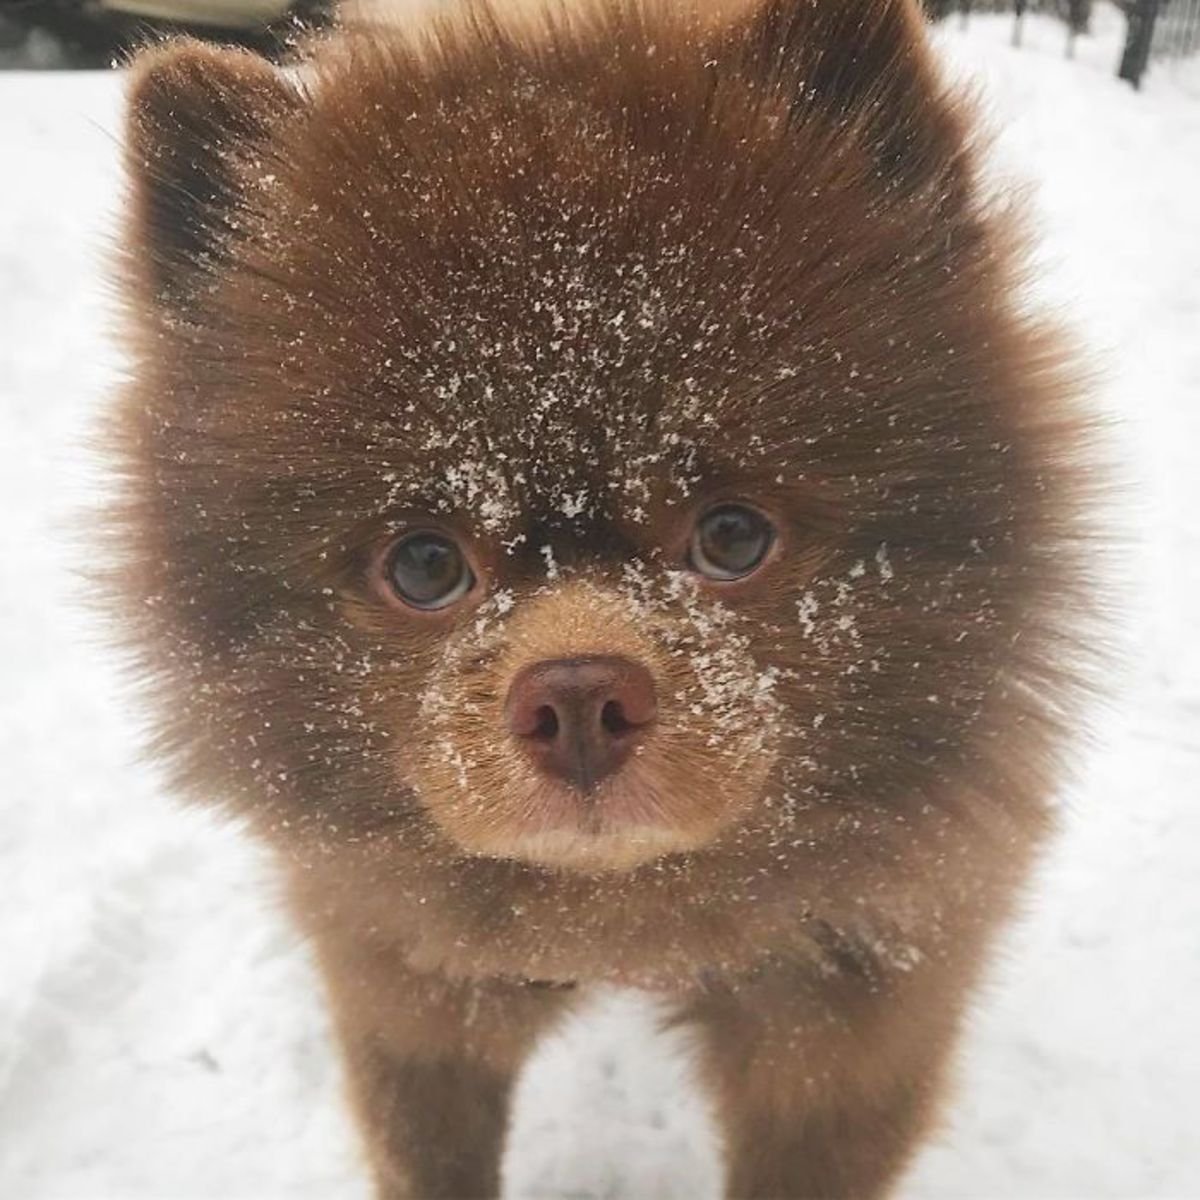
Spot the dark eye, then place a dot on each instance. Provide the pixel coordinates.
(730, 542)
(428, 571)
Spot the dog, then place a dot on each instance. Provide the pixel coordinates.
(594, 500)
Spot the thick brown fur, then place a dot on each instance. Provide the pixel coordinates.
(554, 284)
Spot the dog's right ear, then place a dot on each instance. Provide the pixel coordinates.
(196, 115)
(869, 65)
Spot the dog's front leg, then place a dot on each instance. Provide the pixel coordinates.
(430, 1065)
(823, 1085)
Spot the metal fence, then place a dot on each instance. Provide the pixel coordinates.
(1155, 28)
(1072, 11)
(1177, 30)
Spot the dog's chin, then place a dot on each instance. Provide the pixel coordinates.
(615, 828)
(588, 853)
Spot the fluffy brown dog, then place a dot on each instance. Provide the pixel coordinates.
(593, 502)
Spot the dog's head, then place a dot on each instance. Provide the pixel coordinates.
(583, 438)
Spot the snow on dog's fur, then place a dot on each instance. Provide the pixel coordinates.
(582, 295)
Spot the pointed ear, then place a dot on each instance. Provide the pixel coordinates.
(195, 113)
(868, 63)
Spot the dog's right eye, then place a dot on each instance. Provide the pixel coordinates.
(427, 570)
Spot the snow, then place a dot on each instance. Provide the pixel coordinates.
(161, 1027)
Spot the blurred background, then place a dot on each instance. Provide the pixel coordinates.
(161, 1029)
(96, 33)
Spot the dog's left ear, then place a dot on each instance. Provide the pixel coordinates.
(869, 64)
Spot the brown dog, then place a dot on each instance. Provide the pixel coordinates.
(594, 503)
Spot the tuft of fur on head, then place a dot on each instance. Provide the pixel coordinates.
(556, 278)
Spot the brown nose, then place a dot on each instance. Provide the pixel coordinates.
(580, 718)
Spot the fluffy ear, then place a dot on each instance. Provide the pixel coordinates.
(869, 63)
(195, 113)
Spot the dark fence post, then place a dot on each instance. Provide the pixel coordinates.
(938, 10)
(1140, 15)
(1019, 20)
(1079, 20)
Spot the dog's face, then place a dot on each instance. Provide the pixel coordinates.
(580, 455)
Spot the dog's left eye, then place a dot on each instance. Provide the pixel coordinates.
(730, 542)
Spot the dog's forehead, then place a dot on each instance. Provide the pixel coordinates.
(568, 342)
(585, 378)
(571, 446)
(584, 388)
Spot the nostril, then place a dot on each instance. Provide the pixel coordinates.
(546, 726)
(612, 717)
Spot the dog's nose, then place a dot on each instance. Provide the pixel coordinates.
(581, 718)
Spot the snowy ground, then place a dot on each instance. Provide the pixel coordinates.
(160, 1030)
